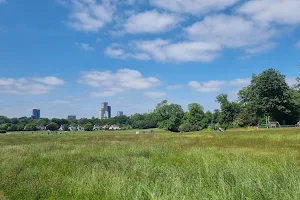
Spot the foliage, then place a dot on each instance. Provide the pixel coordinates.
(268, 95)
(229, 110)
(52, 126)
(188, 127)
(169, 116)
(65, 127)
(88, 127)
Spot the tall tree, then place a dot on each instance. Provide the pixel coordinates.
(195, 114)
(168, 116)
(229, 110)
(268, 94)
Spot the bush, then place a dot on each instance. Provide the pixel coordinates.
(52, 126)
(188, 127)
(88, 127)
(1, 131)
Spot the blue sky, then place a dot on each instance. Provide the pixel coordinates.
(67, 56)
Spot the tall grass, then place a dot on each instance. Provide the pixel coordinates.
(122, 165)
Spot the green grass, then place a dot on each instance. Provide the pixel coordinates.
(261, 164)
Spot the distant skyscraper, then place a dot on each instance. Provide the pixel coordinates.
(72, 117)
(36, 114)
(105, 111)
(109, 111)
(120, 113)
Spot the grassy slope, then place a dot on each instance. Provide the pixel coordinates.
(122, 165)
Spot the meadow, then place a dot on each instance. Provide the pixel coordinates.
(258, 164)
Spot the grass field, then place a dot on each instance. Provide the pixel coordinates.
(261, 164)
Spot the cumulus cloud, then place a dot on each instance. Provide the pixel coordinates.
(230, 31)
(154, 94)
(209, 86)
(272, 11)
(260, 48)
(25, 86)
(49, 80)
(84, 46)
(89, 15)
(195, 7)
(110, 83)
(240, 82)
(150, 22)
(174, 87)
(164, 50)
(229, 86)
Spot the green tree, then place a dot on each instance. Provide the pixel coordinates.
(30, 127)
(188, 127)
(195, 115)
(88, 127)
(268, 94)
(229, 110)
(52, 126)
(65, 127)
(169, 116)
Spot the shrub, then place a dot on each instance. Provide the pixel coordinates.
(52, 126)
(188, 127)
(88, 127)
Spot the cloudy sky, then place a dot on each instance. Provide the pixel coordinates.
(67, 56)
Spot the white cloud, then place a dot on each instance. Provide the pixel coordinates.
(195, 7)
(6, 81)
(154, 94)
(89, 15)
(298, 45)
(115, 52)
(174, 87)
(240, 82)
(49, 80)
(24, 86)
(291, 81)
(273, 11)
(164, 50)
(230, 31)
(114, 83)
(150, 22)
(260, 49)
(85, 46)
(209, 86)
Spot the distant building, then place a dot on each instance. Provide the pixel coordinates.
(72, 117)
(120, 113)
(36, 114)
(109, 111)
(105, 111)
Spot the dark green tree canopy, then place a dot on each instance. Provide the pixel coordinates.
(268, 94)
(169, 116)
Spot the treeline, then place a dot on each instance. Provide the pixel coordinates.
(267, 95)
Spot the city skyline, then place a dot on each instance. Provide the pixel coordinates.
(134, 54)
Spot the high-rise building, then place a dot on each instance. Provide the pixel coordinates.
(120, 113)
(36, 114)
(105, 111)
(72, 117)
(109, 111)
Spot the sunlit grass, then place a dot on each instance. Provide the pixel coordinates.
(260, 164)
